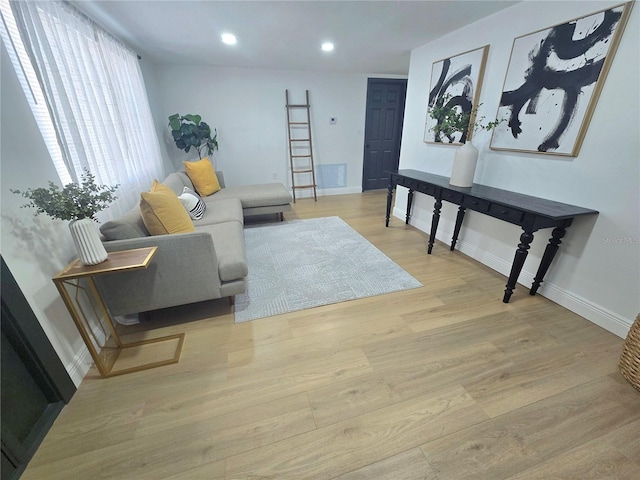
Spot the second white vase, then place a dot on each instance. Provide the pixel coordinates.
(86, 238)
(464, 166)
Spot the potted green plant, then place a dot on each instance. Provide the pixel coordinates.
(450, 120)
(79, 203)
(190, 131)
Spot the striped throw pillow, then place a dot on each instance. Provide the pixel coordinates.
(193, 203)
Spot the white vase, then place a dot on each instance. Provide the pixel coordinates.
(464, 166)
(86, 238)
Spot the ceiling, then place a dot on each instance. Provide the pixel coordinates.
(370, 36)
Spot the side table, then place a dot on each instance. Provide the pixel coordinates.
(77, 288)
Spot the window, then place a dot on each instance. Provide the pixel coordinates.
(29, 81)
(87, 93)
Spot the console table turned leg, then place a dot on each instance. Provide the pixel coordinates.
(434, 223)
(456, 229)
(549, 253)
(389, 199)
(521, 255)
(409, 203)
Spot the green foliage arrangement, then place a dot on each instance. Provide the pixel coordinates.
(73, 201)
(190, 131)
(450, 119)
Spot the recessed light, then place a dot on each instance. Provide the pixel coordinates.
(229, 38)
(327, 47)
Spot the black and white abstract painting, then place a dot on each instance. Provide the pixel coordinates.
(553, 81)
(456, 80)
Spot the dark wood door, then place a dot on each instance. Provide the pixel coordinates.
(383, 130)
(35, 385)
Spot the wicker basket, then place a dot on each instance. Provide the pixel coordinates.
(630, 358)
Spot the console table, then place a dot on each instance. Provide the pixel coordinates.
(530, 213)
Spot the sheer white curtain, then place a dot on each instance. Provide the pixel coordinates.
(95, 95)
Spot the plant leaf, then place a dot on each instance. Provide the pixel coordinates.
(193, 118)
(189, 131)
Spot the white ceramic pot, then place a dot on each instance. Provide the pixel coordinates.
(464, 166)
(86, 238)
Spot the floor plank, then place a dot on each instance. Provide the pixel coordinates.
(350, 444)
(528, 436)
(598, 459)
(409, 465)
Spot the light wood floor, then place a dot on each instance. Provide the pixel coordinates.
(442, 382)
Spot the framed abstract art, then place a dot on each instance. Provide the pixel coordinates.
(553, 82)
(455, 82)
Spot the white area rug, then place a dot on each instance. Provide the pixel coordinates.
(307, 263)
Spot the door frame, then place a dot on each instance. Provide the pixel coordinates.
(399, 131)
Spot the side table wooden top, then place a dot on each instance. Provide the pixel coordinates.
(135, 259)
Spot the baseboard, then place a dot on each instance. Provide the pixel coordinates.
(82, 361)
(593, 312)
(339, 191)
(80, 365)
(325, 192)
(597, 314)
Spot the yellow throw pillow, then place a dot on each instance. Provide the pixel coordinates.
(162, 212)
(203, 176)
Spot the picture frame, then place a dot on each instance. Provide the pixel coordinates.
(458, 78)
(553, 81)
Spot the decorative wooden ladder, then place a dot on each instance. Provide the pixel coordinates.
(300, 147)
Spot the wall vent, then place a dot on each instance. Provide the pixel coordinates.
(331, 175)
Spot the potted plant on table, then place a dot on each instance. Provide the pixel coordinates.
(190, 131)
(450, 120)
(78, 203)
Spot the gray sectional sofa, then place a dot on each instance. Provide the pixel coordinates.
(206, 264)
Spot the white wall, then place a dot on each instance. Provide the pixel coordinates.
(150, 76)
(597, 271)
(34, 248)
(246, 106)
